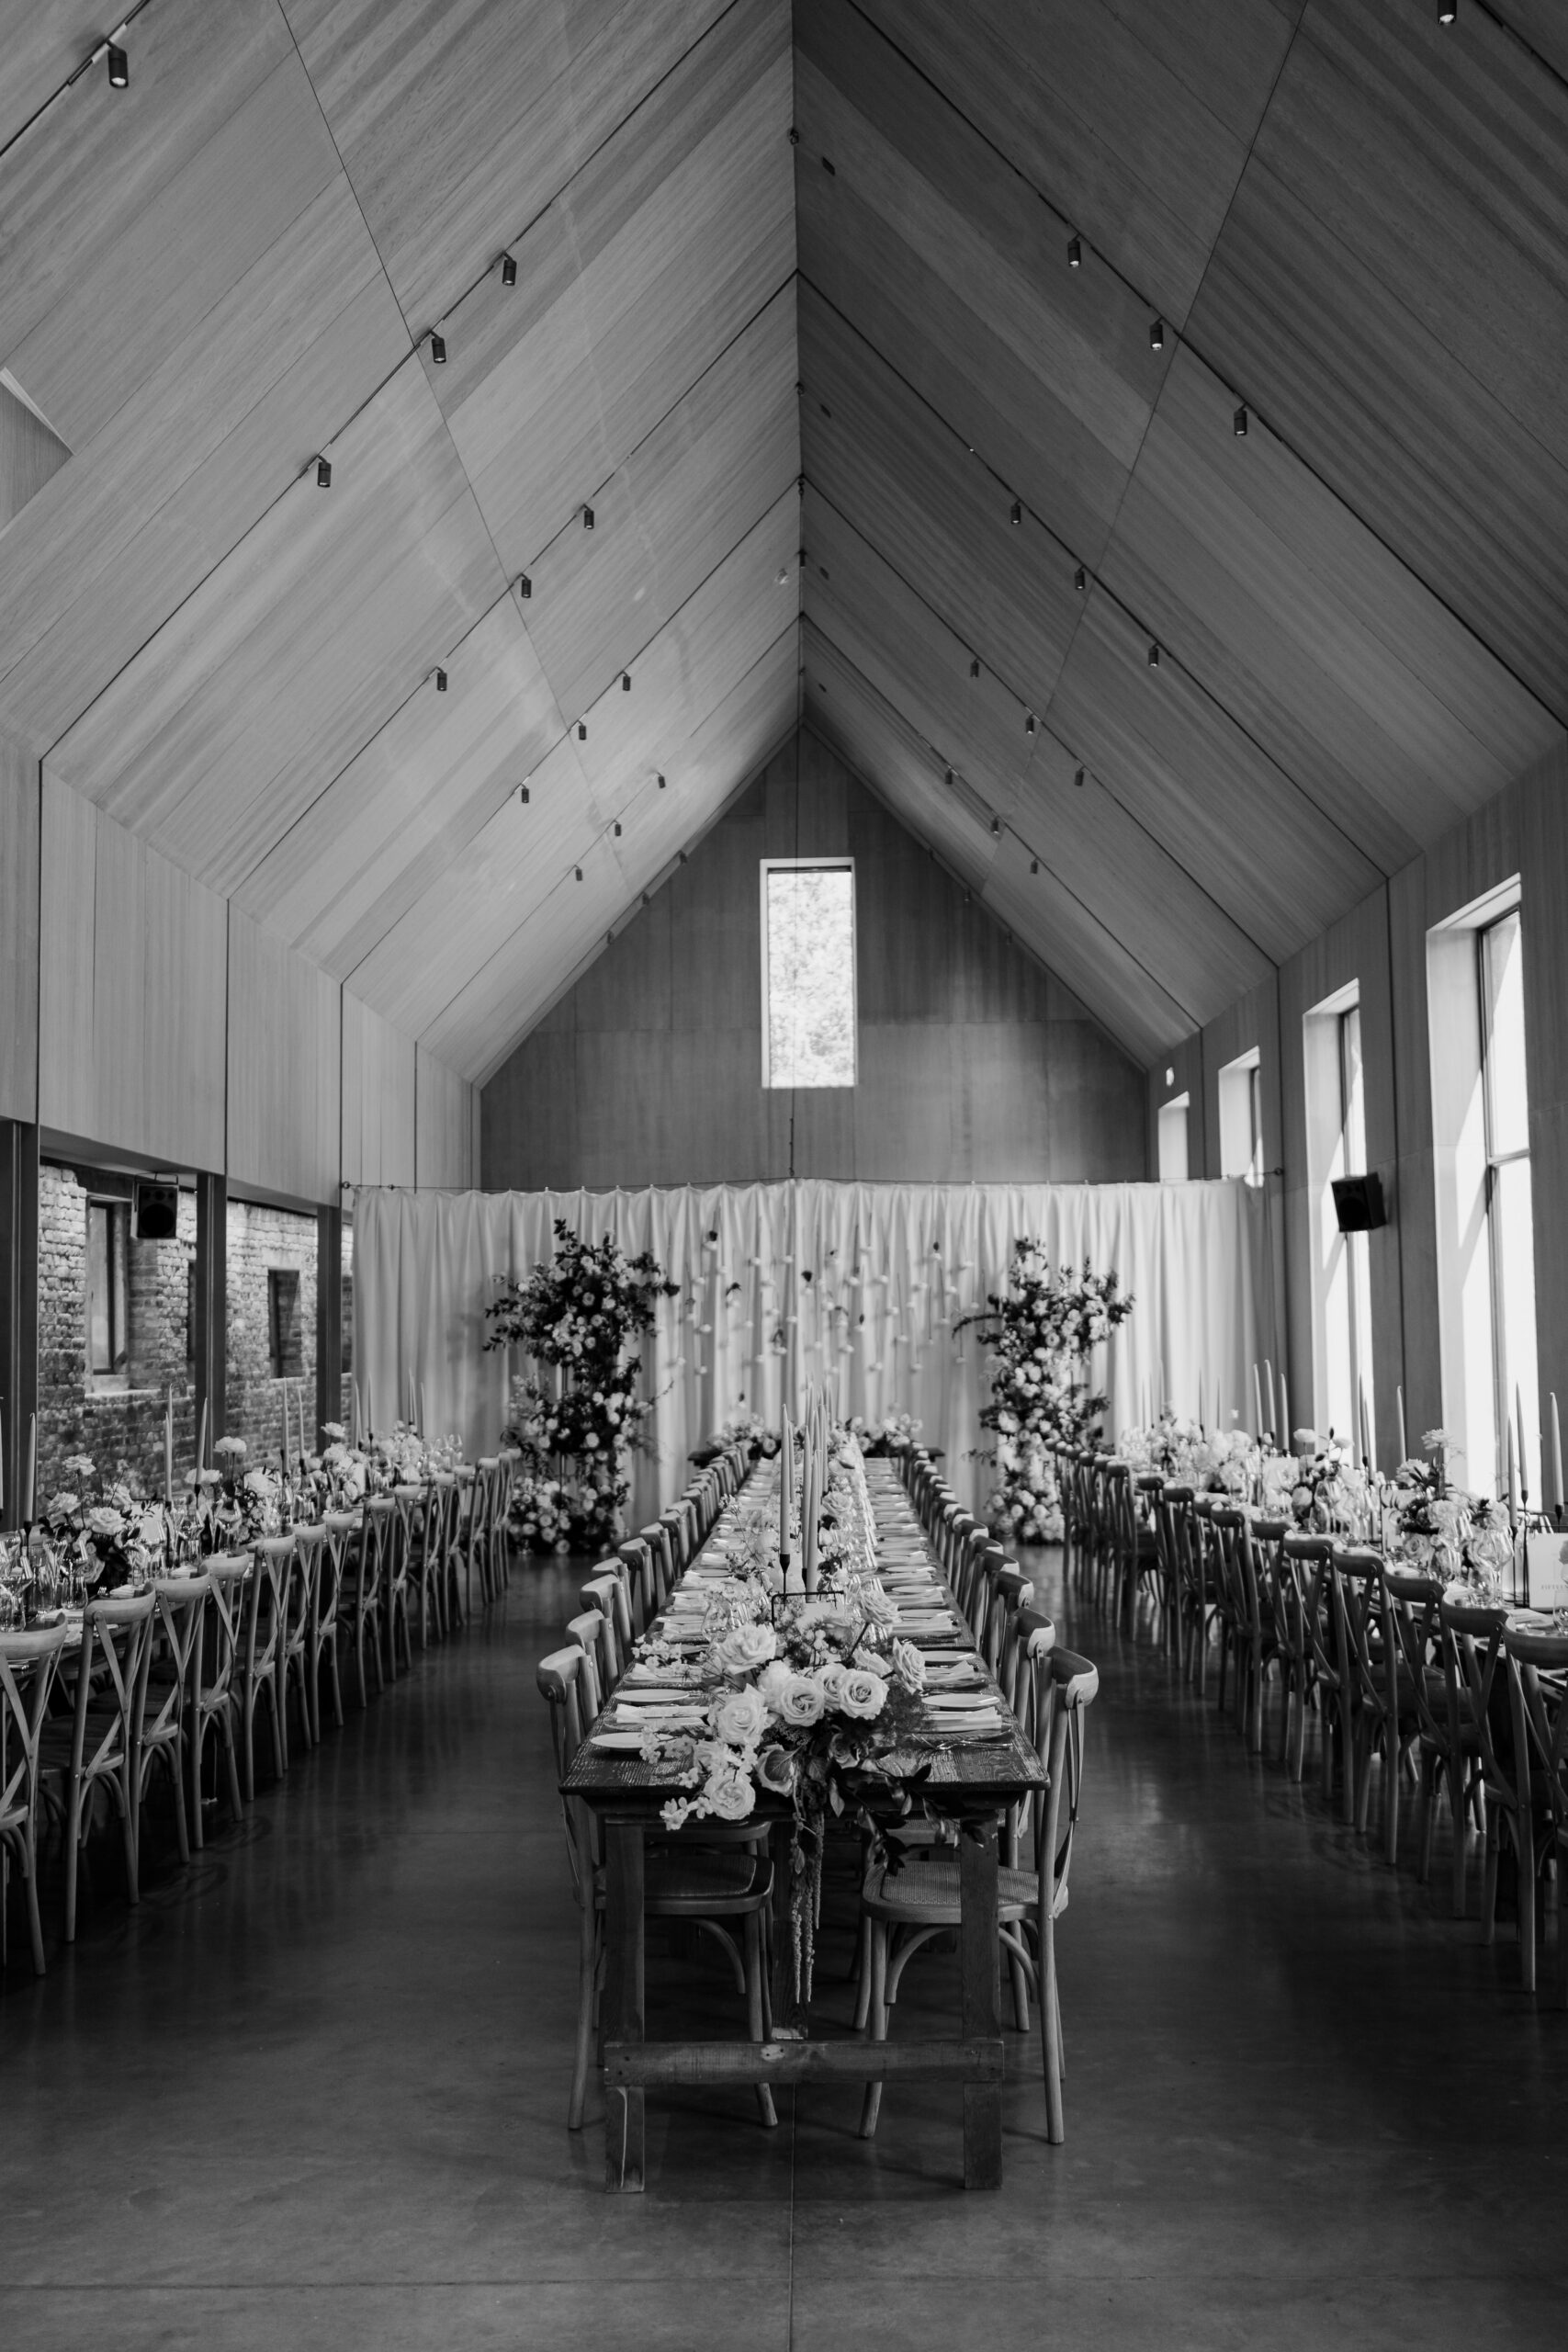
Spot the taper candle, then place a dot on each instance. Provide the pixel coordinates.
(29, 1491)
(1556, 1455)
(201, 1438)
(1258, 1422)
(1404, 1446)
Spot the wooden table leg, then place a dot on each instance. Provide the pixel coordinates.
(981, 1997)
(624, 1995)
(784, 2017)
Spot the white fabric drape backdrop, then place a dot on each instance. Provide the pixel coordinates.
(781, 1283)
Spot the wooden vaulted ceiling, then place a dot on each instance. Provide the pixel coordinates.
(868, 346)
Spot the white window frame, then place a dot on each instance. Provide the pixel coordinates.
(1342, 1345)
(838, 865)
(1240, 1087)
(1175, 1119)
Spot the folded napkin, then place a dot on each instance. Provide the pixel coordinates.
(961, 1700)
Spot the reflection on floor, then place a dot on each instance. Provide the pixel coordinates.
(312, 2092)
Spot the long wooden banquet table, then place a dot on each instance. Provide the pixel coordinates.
(970, 1776)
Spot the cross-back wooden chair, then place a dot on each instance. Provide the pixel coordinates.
(179, 1604)
(605, 1590)
(97, 1752)
(1537, 1667)
(1388, 1720)
(299, 1613)
(29, 1663)
(209, 1700)
(708, 1885)
(1321, 1601)
(258, 1669)
(1412, 1614)
(921, 1900)
(1473, 1654)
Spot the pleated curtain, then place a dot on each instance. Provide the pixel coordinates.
(863, 1285)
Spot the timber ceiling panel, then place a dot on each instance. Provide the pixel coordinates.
(295, 649)
(1133, 119)
(1543, 25)
(1355, 678)
(1391, 290)
(459, 123)
(674, 236)
(42, 46)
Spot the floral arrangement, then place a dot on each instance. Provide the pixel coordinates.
(1327, 1492)
(744, 1428)
(96, 1545)
(581, 1313)
(1465, 1539)
(808, 1697)
(895, 1433)
(1042, 1332)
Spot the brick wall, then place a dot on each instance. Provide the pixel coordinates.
(124, 1422)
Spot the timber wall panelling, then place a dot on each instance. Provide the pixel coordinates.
(285, 1057)
(18, 933)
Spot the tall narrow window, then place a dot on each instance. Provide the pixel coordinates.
(283, 1322)
(809, 972)
(108, 1234)
(1172, 1135)
(1241, 1118)
(1510, 1231)
(1341, 1264)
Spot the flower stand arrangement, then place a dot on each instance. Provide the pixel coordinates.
(579, 1316)
(1041, 1332)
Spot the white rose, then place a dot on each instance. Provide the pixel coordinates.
(745, 1649)
(741, 1717)
(799, 1703)
(864, 1694)
(730, 1792)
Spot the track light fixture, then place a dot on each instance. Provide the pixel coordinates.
(324, 474)
(1017, 515)
(1154, 655)
(1075, 253)
(509, 269)
(1034, 866)
(662, 783)
(995, 829)
(523, 795)
(582, 730)
(120, 66)
(588, 518)
(950, 775)
(645, 898)
(625, 682)
(524, 586)
(1157, 336)
(1238, 423)
(974, 669)
(440, 681)
(1077, 778)
(437, 348)
(1080, 580)
(1447, 10)
(679, 857)
(578, 871)
(1029, 724)
(617, 829)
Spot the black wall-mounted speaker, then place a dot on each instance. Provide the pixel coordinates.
(157, 1212)
(1359, 1204)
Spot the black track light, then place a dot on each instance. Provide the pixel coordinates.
(119, 67)
(832, 169)
(1017, 515)
(1077, 778)
(681, 857)
(1080, 580)
(1157, 336)
(437, 348)
(645, 898)
(625, 682)
(588, 518)
(524, 586)
(1447, 10)
(793, 136)
(950, 775)
(324, 474)
(1029, 724)
(974, 669)
(1154, 655)
(617, 829)
(662, 783)
(509, 269)
(1075, 253)
(1238, 423)
(1034, 866)
(523, 795)
(995, 829)
(578, 871)
(440, 682)
(582, 730)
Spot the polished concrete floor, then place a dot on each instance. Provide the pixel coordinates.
(312, 2092)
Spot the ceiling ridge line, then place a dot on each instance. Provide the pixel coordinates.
(1094, 576)
(1185, 340)
(603, 834)
(597, 489)
(575, 173)
(1045, 720)
(1099, 921)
